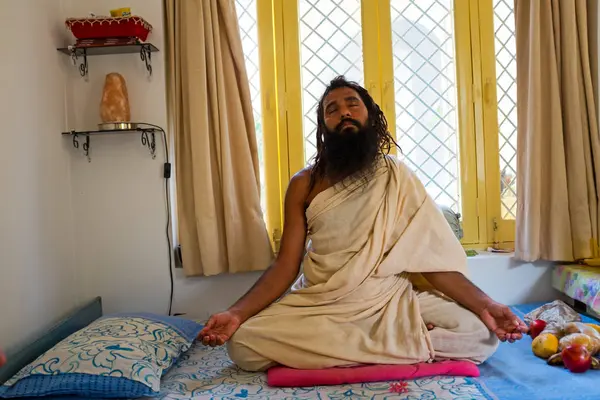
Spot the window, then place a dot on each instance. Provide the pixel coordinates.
(425, 94)
(443, 72)
(506, 79)
(330, 45)
(247, 21)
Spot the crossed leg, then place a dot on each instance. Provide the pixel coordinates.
(457, 333)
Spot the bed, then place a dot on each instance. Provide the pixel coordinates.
(207, 373)
(581, 283)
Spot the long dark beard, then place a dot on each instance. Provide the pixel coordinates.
(350, 154)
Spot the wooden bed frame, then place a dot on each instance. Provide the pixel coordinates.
(76, 320)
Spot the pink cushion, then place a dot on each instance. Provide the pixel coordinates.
(289, 377)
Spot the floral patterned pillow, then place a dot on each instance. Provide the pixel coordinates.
(118, 356)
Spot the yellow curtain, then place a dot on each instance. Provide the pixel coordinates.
(221, 226)
(558, 158)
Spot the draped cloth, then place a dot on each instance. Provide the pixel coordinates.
(354, 302)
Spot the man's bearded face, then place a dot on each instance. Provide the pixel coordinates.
(351, 144)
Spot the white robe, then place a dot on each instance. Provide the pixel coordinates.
(354, 302)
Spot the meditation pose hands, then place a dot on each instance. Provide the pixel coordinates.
(496, 316)
(500, 320)
(219, 329)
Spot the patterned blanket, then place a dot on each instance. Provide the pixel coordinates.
(207, 373)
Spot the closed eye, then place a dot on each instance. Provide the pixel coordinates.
(331, 109)
(352, 101)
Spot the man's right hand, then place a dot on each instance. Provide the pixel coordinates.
(219, 329)
(277, 278)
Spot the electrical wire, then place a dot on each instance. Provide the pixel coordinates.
(168, 205)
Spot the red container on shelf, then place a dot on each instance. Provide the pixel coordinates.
(109, 27)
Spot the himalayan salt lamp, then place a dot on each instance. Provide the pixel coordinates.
(114, 106)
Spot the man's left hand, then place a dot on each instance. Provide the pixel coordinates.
(503, 322)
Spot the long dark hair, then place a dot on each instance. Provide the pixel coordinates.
(376, 119)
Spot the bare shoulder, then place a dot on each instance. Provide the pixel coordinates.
(300, 182)
(303, 175)
(295, 199)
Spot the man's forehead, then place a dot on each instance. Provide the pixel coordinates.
(340, 94)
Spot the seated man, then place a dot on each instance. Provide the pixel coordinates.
(383, 277)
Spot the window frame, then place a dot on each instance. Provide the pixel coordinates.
(281, 95)
(500, 231)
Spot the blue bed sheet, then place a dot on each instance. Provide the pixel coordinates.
(514, 372)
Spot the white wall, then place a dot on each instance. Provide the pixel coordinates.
(512, 282)
(118, 198)
(37, 273)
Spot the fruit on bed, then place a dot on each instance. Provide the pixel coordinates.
(557, 359)
(591, 343)
(559, 336)
(580, 327)
(571, 333)
(545, 345)
(536, 327)
(555, 314)
(580, 333)
(577, 348)
(576, 358)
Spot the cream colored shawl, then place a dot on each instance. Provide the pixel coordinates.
(354, 303)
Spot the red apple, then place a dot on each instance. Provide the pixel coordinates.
(536, 328)
(576, 358)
